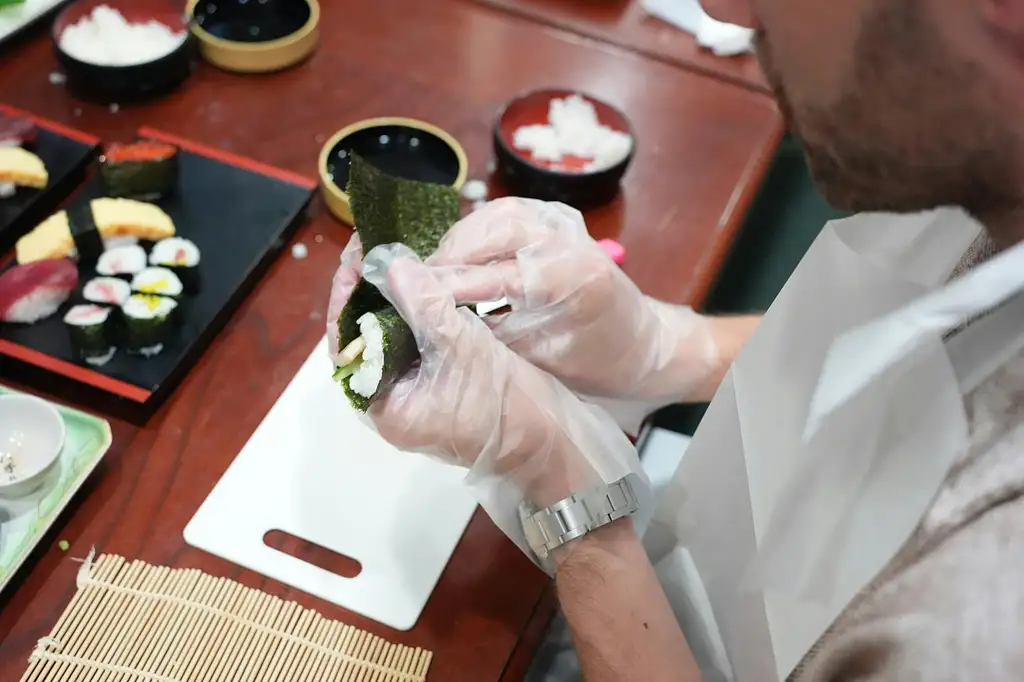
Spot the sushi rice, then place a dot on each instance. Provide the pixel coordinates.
(366, 379)
(122, 260)
(159, 281)
(175, 251)
(108, 290)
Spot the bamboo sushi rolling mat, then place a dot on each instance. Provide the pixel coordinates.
(130, 622)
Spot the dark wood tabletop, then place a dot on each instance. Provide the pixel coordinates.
(625, 23)
(703, 148)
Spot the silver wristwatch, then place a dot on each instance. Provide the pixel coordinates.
(575, 516)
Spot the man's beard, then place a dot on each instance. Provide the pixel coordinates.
(914, 128)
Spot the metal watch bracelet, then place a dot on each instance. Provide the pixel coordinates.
(575, 516)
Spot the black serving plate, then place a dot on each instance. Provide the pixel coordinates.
(66, 154)
(239, 213)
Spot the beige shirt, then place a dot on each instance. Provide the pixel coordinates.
(950, 605)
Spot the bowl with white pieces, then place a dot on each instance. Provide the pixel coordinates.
(115, 51)
(32, 435)
(563, 145)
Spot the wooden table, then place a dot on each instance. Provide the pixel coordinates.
(625, 23)
(703, 148)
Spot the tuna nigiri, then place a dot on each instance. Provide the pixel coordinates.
(31, 292)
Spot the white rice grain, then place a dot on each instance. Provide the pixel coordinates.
(366, 379)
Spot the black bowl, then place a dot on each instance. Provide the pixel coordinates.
(133, 83)
(524, 176)
(251, 22)
(255, 36)
(398, 146)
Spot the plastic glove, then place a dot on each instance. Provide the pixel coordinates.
(574, 313)
(345, 279)
(473, 401)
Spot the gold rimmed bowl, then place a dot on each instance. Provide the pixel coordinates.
(403, 147)
(255, 36)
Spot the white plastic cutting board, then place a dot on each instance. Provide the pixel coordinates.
(314, 470)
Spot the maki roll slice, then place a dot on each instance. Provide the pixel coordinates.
(89, 326)
(159, 281)
(181, 257)
(378, 346)
(140, 170)
(123, 261)
(107, 291)
(147, 322)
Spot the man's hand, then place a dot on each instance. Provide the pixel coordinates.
(575, 314)
(473, 401)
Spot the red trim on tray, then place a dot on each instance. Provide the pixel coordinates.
(81, 374)
(52, 126)
(229, 158)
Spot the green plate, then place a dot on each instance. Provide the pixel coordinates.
(24, 521)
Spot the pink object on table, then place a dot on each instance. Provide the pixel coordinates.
(615, 250)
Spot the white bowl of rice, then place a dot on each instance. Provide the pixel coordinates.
(118, 51)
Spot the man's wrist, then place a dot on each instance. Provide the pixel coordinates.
(594, 547)
(729, 333)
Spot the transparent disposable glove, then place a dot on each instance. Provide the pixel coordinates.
(471, 400)
(574, 313)
(345, 279)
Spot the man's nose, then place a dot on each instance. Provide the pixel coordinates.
(731, 11)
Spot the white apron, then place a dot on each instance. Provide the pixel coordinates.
(829, 437)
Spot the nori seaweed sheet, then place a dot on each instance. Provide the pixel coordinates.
(389, 210)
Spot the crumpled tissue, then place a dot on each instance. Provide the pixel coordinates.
(721, 38)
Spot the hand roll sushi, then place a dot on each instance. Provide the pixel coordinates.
(90, 329)
(181, 257)
(159, 281)
(388, 349)
(107, 291)
(123, 260)
(29, 293)
(147, 322)
(141, 170)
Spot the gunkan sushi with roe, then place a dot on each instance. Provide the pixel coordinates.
(89, 326)
(107, 291)
(31, 292)
(143, 170)
(147, 322)
(121, 261)
(159, 281)
(181, 257)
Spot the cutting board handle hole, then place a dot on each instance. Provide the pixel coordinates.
(312, 553)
